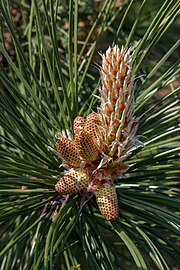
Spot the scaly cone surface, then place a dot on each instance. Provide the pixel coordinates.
(107, 201)
(72, 182)
(104, 139)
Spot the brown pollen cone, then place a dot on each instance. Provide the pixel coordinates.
(68, 151)
(92, 126)
(86, 142)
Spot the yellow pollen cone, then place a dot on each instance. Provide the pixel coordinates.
(72, 182)
(107, 201)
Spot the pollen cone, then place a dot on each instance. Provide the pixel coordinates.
(68, 151)
(85, 140)
(117, 103)
(107, 201)
(93, 126)
(72, 182)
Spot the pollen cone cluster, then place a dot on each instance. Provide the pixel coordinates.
(102, 140)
